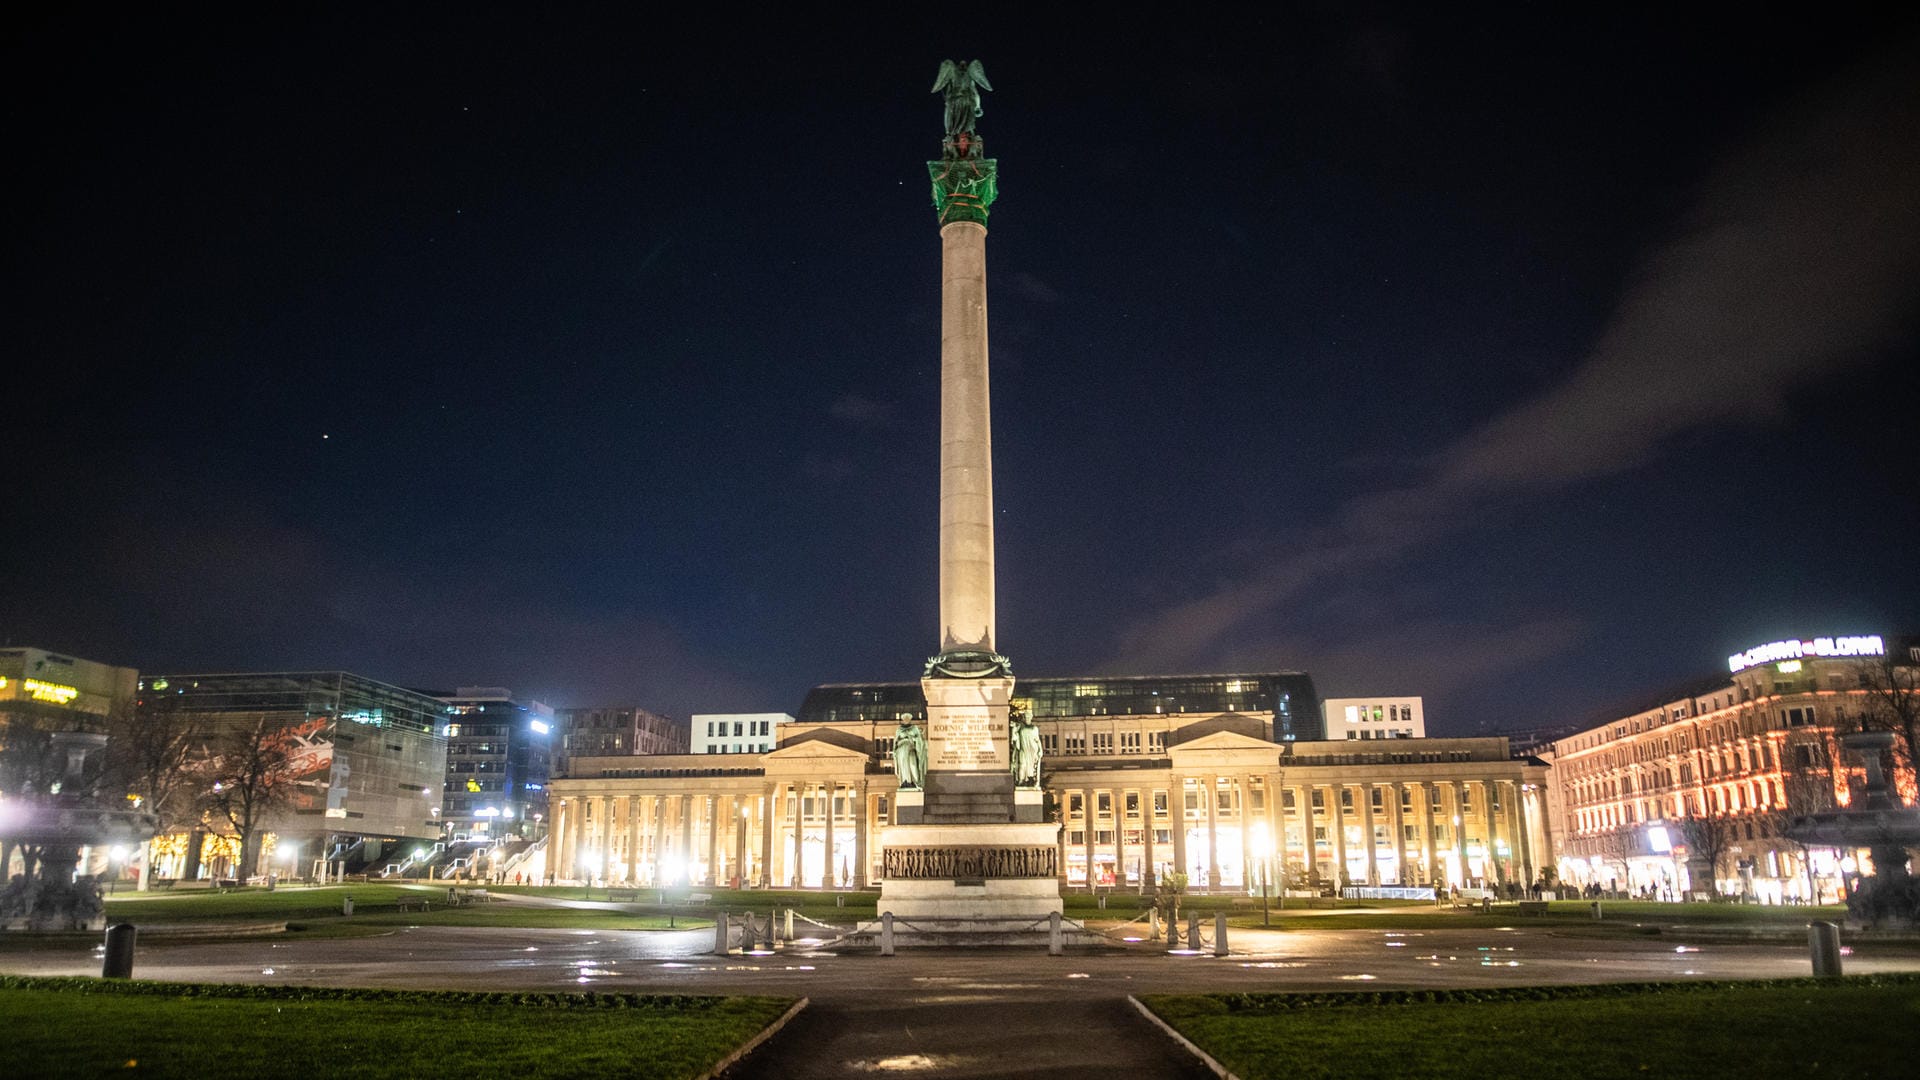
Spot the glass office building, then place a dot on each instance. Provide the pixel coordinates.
(373, 766)
(1287, 698)
(498, 755)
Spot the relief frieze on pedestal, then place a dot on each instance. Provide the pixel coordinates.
(926, 863)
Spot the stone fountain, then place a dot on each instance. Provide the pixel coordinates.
(50, 829)
(1889, 898)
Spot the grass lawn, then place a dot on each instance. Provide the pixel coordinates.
(85, 1027)
(257, 904)
(1858, 1027)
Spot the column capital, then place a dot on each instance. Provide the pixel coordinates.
(964, 188)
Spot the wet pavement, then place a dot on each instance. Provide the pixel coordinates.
(956, 1013)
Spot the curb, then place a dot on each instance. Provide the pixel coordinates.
(753, 1044)
(1206, 1059)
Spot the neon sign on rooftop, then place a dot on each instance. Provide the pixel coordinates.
(1794, 649)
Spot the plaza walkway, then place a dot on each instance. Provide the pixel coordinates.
(956, 1014)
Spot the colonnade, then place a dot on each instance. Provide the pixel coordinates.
(772, 834)
(1319, 831)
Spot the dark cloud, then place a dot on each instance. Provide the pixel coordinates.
(1796, 263)
(861, 411)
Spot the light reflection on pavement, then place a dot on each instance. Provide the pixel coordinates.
(677, 962)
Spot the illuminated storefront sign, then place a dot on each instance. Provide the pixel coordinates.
(46, 691)
(1869, 645)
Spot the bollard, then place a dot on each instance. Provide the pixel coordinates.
(452, 898)
(119, 960)
(720, 921)
(1173, 931)
(1053, 935)
(1100, 900)
(1596, 909)
(1193, 931)
(1823, 943)
(1220, 934)
(346, 905)
(886, 934)
(839, 899)
(1153, 924)
(789, 927)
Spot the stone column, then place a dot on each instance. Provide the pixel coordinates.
(1249, 873)
(766, 835)
(1367, 824)
(1090, 814)
(831, 878)
(633, 840)
(1276, 806)
(579, 837)
(862, 863)
(1177, 806)
(1524, 833)
(1399, 795)
(1212, 796)
(1487, 798)
(966, 454)
(1460, 814)
(606, 836)
(657, 836)
(1313, 844)
(1150, 867)
(685, 809)
(1341, 877)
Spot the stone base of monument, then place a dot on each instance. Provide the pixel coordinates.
(971, 885)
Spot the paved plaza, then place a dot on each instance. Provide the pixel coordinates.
(977, 1013)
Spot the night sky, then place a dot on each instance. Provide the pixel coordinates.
(1527, 363)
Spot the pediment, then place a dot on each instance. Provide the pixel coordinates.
(815, 748)
(1223, 742)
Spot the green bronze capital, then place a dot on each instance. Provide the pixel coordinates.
(964, 188)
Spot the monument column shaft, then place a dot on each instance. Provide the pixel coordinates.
(966, 443)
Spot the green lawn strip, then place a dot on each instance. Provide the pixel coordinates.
(516, 915)
(255, 904)
(82, 1027)
(1858, 1026)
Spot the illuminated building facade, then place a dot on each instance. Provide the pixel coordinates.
(54, 686)
(737, 733)
(1688, 795)
(499, 752)
(366, 779)
(613, 731)
(1210, 792)
(1376, 718)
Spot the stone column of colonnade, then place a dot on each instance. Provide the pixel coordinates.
(1150, 866)
(862, 836)
(766, 835)
(1177, 807)
(633, 841)
(1400, 793)
(1496, 867)
(1303, 795)
(1457, 793)
(1529, 872)
(1210, 791)
(1089, 819)
(830, 877)
(1425, 792)
(578, 846)
(1336, 798)
(1275, 803)
(1249, 875)
(1367, 823)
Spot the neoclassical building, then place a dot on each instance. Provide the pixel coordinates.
(1700, 783)
(1137, 795)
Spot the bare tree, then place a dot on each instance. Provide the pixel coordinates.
(1707, 834)
(152, 758)
(254, 771)
(1892, 685)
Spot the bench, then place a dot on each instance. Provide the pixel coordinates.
(411, 904)
(698, 898)
(471, 896)
(623, 896)
(1533, 907)
(162, 883)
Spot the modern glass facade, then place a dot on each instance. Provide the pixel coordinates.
(374, 768)
(498, 755)
(1288, 696)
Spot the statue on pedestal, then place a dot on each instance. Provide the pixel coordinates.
(962, 86)
(910, 756)
(1025, 746)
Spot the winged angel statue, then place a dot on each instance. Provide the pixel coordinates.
(962, 86)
